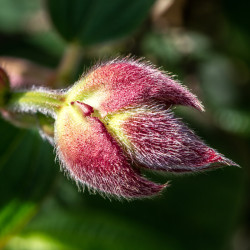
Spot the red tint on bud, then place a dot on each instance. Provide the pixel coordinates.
(118, 116)
(159, 141)
(127, 82)
(92, 157)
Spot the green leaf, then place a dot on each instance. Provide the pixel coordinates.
(56, 228)
(196, 212)
(15, 13)
(218, 81)
(96, 21)
(27, 173)
(234, 121)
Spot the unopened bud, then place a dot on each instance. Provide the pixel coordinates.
(4, 85)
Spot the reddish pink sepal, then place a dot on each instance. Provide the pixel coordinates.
(129, 82)
(92, 157)
(4, 79)
(161, 142)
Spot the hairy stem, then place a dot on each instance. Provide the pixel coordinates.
(46, 102)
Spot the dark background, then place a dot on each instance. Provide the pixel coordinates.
(204, 43)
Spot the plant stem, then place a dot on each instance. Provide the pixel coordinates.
(46, 102)
(68, 65)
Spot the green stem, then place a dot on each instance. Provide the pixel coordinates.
(68, 65)
(35, 101)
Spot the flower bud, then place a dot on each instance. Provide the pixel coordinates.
(155, 139)
(92, 157)
(114, 85)
(117, 120)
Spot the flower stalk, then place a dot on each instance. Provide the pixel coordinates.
(44, 101)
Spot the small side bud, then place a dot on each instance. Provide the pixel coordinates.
(4, 85)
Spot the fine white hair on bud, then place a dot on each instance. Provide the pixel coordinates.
(113, 122)
(155, 139)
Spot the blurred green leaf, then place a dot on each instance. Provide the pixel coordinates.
(171, 48)
(15, 13)
(27, 173)
(56, 228)
(32, 47)
(49, 41)
(97, 21)
(218, 81)
(234, 121)
(161, 47)
(197, 211)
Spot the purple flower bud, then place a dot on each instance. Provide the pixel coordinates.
(117, 120)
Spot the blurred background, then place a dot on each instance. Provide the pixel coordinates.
(206, 45)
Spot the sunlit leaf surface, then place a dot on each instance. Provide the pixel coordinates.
(27, 173)
(90, 22)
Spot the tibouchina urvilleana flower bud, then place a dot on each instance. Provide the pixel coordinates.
(113, 122)
(116, 120)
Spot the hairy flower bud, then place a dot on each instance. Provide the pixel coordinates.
(93, 157)
(113, 122)
(155, 139)
(121, 83)
(117, 119)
